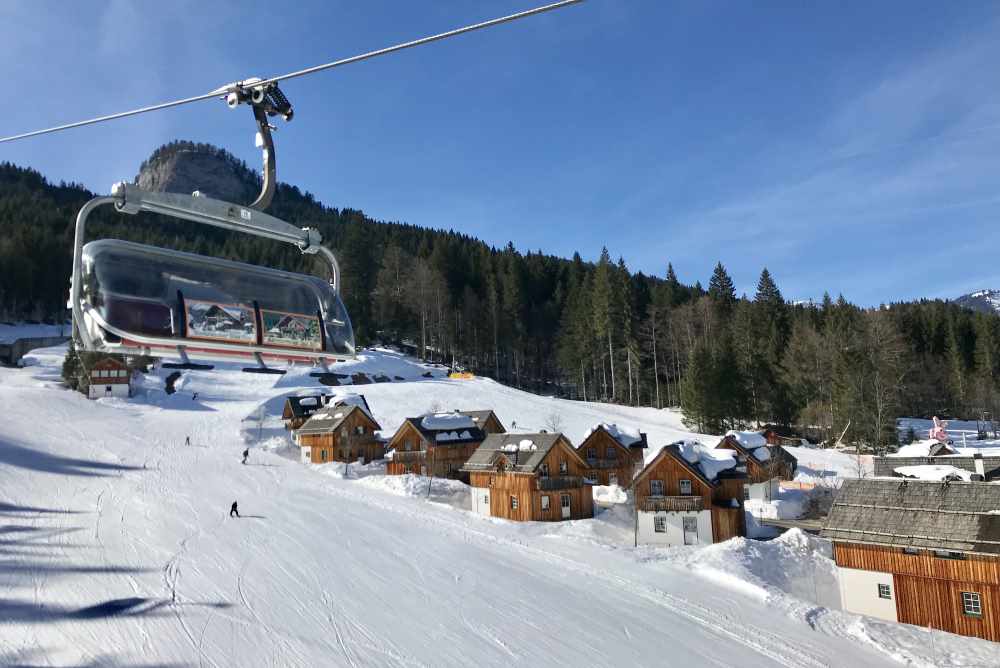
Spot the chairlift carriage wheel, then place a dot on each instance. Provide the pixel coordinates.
(143, 300)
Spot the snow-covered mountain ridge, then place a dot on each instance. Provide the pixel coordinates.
(986, 301)
(116, 547)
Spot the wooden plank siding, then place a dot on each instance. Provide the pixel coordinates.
(441, 461)
(974, 568)
(727, 523)
(928, 589)
(344, 444)
(605, 447)
(671, 472)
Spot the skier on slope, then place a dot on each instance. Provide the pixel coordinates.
(234, 510)
(187, 440)
(246, 453)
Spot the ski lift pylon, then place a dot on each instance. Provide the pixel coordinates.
(135, 299)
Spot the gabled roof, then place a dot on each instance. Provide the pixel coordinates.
(329, 419)
(524, 452)
(624, 436)
(446, 431)
(759, 451)
(482, 417)
(953, 516)
(697, 459)
(304, 406)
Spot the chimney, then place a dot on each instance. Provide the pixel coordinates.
(980, 474)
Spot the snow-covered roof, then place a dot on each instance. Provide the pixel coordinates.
(748, 439)
(926, 448)
(762, 453)
(524, 452)
(627, 436)
(933, 472)
(711, 462)
(448, 421)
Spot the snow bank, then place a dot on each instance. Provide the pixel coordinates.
(933, 472)
(762, 454)
(710, 461)
(10, 332)
(442, 490)
(448, 421)
(748, 439)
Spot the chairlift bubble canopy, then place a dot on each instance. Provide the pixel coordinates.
(136, 299)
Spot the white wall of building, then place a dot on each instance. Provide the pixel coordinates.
(481, 500)
(765, 491)
(674, 534)
(859, 593)
(306, 455)
(114, 390)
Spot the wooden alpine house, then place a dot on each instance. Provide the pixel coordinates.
(920, 552)
(613, 454)
(299, 409)
(343, 431)
(689, 495)
(529, 477)
(766, 465)
(436, 444)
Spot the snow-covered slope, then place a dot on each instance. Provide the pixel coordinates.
(987, 301)
(116, 547)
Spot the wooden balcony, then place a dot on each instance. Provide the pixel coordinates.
(652, 504)
(409, 456)
(599, 464)
(559, 482)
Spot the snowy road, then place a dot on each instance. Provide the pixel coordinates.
(116, 547)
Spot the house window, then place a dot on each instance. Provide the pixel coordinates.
(946, 554)
(545, 503)
(746, 492)
(563, 468)
(685, 487)
(610, 454)
(660, 524)
(513, 502)
(656, 488)
(407, 445)
(591, 453)
(544, 471)
(322, 454)
(885, 591)
(972, 604)
(343, 432)
(360, 429)
(911, 550)
(613, 479)
(423, 470)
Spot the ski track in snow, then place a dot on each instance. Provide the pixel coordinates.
(323, 570)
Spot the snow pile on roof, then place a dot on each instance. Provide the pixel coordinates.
(624, 435)
(446, 421)
(916, 449)
(308, 401)
(711, 462)
(762, 454)
(748, 439)
(527, 444)
(453, 436)
(933, 472)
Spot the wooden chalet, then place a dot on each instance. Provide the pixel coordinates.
(486, 420)
(614, 456)
(919, 552)
(109, 377)
(529, 477)
(436, 444)
(689, 495)
(765, 465)
(340, 432)
(299, 409)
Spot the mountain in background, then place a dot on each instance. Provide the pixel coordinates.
(984, 301)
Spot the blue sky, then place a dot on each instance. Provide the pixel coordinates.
(853, 147)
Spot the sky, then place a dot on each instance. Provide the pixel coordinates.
(849, 147)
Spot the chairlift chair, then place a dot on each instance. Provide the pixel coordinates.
(136, 299)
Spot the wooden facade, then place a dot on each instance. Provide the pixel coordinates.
(538, 496)
(610, 462)
(414, 453)
(350, 439)
(928, 588)
(669, 471)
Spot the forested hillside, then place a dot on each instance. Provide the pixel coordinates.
(552, 325)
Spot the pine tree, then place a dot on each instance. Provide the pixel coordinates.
(722, 291)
